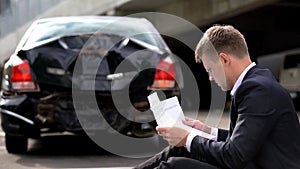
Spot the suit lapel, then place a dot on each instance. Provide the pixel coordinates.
(233, 108)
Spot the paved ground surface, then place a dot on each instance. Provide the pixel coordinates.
(72, 152)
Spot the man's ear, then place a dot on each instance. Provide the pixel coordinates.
(225, 58)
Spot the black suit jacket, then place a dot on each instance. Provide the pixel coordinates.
(264, 131)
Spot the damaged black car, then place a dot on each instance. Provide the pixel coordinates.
(67, 72)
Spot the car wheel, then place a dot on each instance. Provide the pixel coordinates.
(16, 144)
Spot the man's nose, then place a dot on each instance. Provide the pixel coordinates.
(211, 78)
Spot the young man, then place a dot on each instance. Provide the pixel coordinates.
(264, 130)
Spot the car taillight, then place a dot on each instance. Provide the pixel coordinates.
(21, 78)
(165, 75)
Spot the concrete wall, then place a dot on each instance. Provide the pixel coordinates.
(15, 20)
(207, 11)
(199, 12)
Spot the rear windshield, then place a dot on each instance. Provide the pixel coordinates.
(138, 29)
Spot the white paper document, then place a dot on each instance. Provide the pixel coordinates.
(169, 113)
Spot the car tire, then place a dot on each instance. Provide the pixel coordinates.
(16, 144)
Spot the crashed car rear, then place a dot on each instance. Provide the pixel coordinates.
(111, 62)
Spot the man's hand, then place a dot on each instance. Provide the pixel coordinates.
(175, 136)
(197, 124)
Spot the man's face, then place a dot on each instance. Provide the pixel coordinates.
(215, 72)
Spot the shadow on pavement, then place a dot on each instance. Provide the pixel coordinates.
(64, 145)
(71, 152)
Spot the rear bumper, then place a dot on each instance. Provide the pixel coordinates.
(17, 116)
(13, 125)
(28, 116)
(31, 116)
(13, 122)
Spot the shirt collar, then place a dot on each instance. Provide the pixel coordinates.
(240, 79)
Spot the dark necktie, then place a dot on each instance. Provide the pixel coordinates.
(233, 115)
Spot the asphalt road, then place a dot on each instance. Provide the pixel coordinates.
(63, 151)
(69, 151)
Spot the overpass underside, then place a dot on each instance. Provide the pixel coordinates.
(260, 20)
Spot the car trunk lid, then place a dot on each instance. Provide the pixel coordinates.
(102, 62)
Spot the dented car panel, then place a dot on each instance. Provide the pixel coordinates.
(53, 64)
(92, 55)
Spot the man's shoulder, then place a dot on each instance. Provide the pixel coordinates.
(260, 80)
(257, 72)
(258, 76)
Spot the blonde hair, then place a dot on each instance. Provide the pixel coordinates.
(219, 39)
